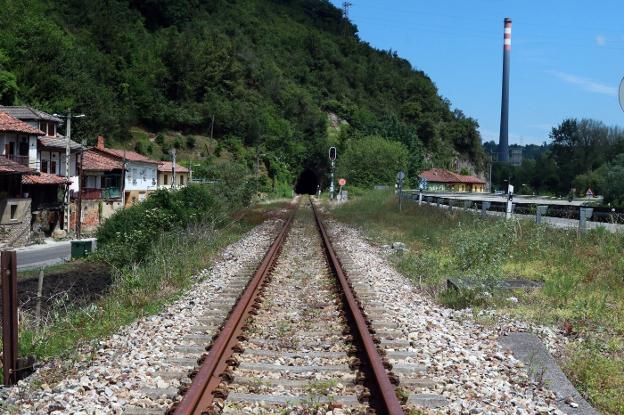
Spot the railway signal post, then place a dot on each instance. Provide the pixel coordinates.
(332, 159)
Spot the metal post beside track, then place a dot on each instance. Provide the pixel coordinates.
(8, 269)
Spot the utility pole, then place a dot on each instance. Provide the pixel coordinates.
(332, 158)
(67, 165)
(79, 209)
(123, 179)
(173, 167)
(69, 117)
(490, 175)
(345, 16)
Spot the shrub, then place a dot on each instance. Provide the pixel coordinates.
(129, 235)
(282, 189)
(481, 250)
(139, 147)
(461, 299)
(160, 139)
(190, 142)
(177, 143)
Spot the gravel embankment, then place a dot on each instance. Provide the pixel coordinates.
(114, 375)
(463, 358)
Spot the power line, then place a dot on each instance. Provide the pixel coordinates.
(345, 16)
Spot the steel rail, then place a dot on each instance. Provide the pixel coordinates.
(199, 397)
(382, 390)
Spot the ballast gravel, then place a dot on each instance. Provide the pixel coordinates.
(463, 358)
(114, 375)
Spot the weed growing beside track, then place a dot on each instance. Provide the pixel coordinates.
(582, 276)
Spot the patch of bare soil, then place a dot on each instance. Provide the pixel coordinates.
(77, 283)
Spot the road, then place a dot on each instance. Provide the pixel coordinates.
(50, 253)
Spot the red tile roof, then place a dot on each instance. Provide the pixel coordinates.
(9, 124)
(167, 166)
(100, 161)
(44, 178)
(445, 176)
(129, 155)
(12, 167)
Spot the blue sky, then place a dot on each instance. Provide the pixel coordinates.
(567, 57)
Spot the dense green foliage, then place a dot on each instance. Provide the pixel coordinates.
(268, 71)
(581, 154)
(129, 235)
(373, 160)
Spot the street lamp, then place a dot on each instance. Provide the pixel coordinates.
(68, 117)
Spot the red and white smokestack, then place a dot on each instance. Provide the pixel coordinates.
(507, 33)
(503, 138)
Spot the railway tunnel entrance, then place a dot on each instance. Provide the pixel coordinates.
(307, 182)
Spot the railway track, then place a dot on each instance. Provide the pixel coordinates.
(296, 339)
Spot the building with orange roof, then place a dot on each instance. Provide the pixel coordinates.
(442, 180)
(166, 179)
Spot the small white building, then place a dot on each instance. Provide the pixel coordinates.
(140, 175)
(166, 178)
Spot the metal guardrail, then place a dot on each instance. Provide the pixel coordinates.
(582, 214)
(599, 214)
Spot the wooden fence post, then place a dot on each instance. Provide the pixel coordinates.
(8, 269)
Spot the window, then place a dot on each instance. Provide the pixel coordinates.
(165, 180)
(52, 166)
(44, 166)
(181, 180)
(51, 129)
(13, 212)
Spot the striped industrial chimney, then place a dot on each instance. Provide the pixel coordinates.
(503, 141)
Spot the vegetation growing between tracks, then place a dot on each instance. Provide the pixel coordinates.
(582, 276)
(153, 263)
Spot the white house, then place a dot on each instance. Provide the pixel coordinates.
(18, 141)
(140, 175)
(46, 152)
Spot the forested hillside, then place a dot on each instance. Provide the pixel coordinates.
(269, 72)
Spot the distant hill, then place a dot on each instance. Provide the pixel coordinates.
(283, 79)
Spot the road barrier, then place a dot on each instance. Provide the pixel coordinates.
(613, 219)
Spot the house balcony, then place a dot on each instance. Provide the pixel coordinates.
(103, 193)
(23, 160)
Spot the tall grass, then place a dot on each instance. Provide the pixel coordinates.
(136, 291)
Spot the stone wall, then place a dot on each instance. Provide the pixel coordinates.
(14, 222)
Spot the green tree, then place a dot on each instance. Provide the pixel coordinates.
(8, 82)
(372, 160)
(612, 182)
